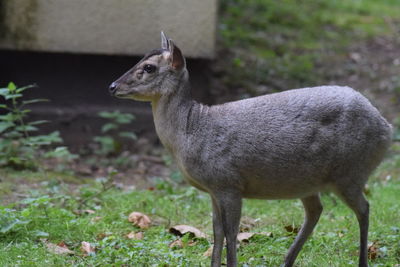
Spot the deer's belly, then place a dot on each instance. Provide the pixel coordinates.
(268, 190)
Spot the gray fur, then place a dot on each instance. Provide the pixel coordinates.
(293, 144)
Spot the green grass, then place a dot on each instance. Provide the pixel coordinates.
(49, 214)
(282, 44)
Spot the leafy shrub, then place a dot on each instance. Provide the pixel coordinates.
(18, 148)
(109, 145)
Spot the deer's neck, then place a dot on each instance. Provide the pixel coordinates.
(174, 116)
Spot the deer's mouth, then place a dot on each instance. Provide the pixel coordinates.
(132, 95)
(119, 90)
(122, 94)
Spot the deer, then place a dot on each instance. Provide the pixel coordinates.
(293, 144)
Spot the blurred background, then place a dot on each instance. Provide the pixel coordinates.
(72, 50)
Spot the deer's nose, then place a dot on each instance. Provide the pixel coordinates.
(113, 87)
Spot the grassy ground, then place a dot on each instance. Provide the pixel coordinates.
(55, 213)
(269, 45)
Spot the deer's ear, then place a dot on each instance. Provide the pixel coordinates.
(164, 41)
(178, 61)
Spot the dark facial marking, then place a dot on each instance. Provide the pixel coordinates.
(153, 53)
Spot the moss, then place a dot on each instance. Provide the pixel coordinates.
(18, 32)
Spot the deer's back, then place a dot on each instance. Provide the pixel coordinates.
(286, 143)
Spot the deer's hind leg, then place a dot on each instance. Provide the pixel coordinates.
(313, 209)
(353, 196)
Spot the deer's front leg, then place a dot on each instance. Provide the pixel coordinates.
(218, 235)
(229, 205)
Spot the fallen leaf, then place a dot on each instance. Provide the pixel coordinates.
(246, 224)
(87, 248)
(58, 249)
(373, 250)
(139, 219)
(133, 235)
(62, 244)
(208, 252)
(245, 237)
(182, 229)
(292, 229)
(176, 244)
(89, 211)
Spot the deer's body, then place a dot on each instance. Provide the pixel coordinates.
(293, 144)
(284, 145)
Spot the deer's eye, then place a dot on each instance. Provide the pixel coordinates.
(149, 68)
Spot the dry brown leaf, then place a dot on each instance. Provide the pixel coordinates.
(182, 229)
(245, 237)
(133, 235)
(373, 250)
(59, 248)
(176, 244)
(208, 252)
(246, 224)
(139, 219)
(87, 248)
(89, 211)
(62, 244)
(292, 229)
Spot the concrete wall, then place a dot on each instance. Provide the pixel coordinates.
(117, 27)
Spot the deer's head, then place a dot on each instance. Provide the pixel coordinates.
(157, 74)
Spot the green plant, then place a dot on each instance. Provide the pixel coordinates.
(18, 149)
(110, 143)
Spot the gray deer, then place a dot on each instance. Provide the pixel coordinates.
(293, 144)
